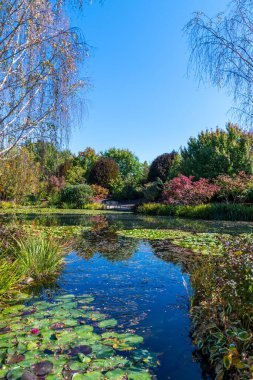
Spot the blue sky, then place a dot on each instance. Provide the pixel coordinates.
(140, 96)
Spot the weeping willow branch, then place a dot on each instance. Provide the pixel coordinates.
(39, 80)
(222, 53)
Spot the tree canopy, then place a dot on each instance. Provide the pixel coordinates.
(39, 57)
(222, 52)
(217, 152)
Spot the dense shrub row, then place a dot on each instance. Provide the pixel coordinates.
(211, 211)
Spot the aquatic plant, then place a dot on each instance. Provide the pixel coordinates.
(222, 311)
(39, 257)
(202, 243)
(55, 232)
(67, 339)
(10, 275)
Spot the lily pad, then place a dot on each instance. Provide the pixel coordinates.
(86, 350)
(108, 323)
(15, 373)
(42, 368)
(117, 374)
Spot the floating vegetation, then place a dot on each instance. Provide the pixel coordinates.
(58, 232)
(67, 339)
(203, 243)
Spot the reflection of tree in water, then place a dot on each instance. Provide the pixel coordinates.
(104, 240)
(167, 251)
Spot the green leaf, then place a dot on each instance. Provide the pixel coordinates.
(109, 323)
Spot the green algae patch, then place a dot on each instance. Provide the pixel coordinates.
(61, 340)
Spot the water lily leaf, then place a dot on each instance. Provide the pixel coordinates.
(94, 316)
(15, 373)
(77, 366)
(90, 375)
(86, 350)
(3, 371)
(27, 375)
(86, 300)
(14, 358)
(138, 375)
(109, 323)
(53, 377)
(83, 358)
(102, 351)
(110, 334)
(64, 297)
(109, 363)
(83, 329)
(131, 338)
(42, 368)
(13, 309)
(117, 374)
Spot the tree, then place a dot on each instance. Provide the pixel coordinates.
(222, 52)
(129, 164)
(218, 152)
(160, 167)
(87, 159)
(104, 171)
(19, 176)
(46, 154)
(39, 57)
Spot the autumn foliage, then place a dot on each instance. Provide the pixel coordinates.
(185, 191)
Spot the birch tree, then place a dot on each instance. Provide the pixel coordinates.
(39, 58)
(222, 53)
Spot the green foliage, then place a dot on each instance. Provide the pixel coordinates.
(161, 166)
(125, 189)
(10, 275)
(39, 257)
(213, 211)
(104, 171)
(6, 205)
(86, 160)
(75, 196)
(19, 175)
(152, 191)
(218, 152)
(129, 164)
(75, 175)
(46, 154)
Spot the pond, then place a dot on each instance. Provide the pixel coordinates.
(142, 284)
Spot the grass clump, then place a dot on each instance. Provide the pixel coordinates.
(211, 211)
(10, 275)
(39, 257)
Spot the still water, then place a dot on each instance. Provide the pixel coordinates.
(142, 284)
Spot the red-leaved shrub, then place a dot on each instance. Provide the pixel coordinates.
(185, 191)
(99, 193)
